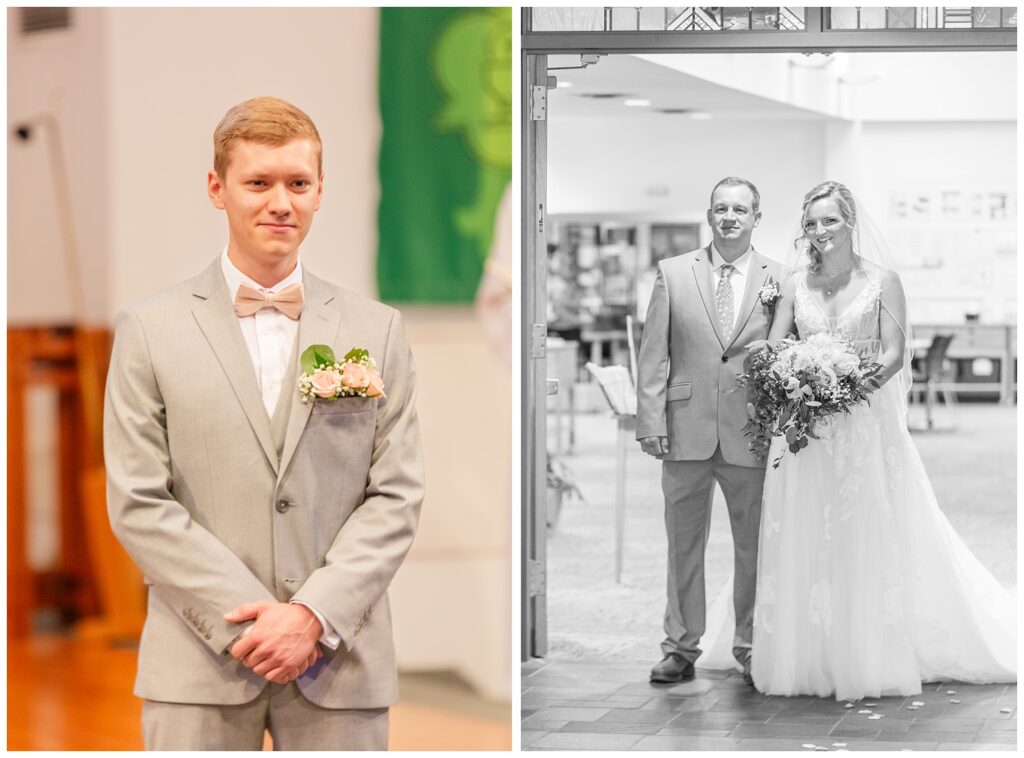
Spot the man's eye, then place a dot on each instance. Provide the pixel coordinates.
(257, 182)
(301, 183)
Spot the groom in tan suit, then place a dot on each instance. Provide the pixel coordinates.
(706, 307)
(268, 529)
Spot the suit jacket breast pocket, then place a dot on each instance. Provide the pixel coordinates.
(345, 405)
(339, 440)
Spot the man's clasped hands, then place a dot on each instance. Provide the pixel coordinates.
(281, 644)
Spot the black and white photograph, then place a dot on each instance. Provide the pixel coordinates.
(769, 378)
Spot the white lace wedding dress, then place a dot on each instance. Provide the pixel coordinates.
(863, 587)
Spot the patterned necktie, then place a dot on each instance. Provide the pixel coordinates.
(289, 300)
(725, 300)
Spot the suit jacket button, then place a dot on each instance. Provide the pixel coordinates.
(725, 359)
(282, 505)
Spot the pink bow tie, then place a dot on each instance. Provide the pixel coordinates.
(289, 300)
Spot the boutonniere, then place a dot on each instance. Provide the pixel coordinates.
(327, 378)
(769, 294)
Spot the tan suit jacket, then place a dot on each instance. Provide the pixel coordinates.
(219, 509)
(687, 387)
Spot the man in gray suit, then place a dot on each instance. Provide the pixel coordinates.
(707, 305)
(268, 529)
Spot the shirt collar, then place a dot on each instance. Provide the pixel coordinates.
(234, 277)
(741, 264)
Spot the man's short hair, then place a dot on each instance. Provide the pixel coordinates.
(735, 181)
(266, 120)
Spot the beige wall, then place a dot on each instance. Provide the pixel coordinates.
(173, 73)
(59, 73)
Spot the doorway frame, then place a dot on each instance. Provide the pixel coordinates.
(536, 48)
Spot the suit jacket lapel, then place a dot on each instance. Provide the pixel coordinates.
(318, 325)
(702, 273)
(215, 315)
(757, 273)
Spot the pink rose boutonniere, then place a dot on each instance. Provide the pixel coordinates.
(769, 294)
(327, 378)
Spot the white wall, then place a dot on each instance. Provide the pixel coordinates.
(948, 266)
(609, 166)
(966, 86)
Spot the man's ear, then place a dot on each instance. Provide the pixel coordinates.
(215, 189)
(757, 218)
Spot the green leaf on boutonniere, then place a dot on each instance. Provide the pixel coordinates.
(316, 356)
(356, 355)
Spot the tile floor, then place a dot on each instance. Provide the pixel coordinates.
(578, 705)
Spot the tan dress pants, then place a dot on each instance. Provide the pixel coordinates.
(293, 721)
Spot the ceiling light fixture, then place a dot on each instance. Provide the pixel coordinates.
(636, 103)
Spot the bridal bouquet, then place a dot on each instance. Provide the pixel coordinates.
(798, 383)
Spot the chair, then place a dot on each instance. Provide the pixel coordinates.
(933, 376)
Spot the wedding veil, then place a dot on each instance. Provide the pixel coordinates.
(869, 244)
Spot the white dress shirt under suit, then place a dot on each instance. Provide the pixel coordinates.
(270, 336)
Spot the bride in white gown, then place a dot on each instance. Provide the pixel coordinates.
(863, 587)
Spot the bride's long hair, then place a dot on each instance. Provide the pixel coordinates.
(844, 199)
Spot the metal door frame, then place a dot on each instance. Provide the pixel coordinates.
(534, 365)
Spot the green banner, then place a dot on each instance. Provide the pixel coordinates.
(446, 152)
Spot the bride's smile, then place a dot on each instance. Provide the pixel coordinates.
(825, 227)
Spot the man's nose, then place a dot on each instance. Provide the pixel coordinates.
(730, 214)
(278, 201)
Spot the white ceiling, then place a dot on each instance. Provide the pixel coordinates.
(632, 77)
(789, 86)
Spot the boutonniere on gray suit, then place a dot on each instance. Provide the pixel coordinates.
(769, 294)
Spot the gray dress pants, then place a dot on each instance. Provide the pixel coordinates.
(687, 486)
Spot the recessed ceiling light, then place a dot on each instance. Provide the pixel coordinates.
(700, 115)
(636, 103)
(564, 84)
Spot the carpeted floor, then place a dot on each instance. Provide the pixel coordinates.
(590, 617)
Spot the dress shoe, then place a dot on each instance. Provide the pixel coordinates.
(672, 669)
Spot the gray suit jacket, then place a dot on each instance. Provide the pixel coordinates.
(687, 372)
(217, 513)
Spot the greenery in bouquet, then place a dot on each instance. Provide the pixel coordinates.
(796, 384)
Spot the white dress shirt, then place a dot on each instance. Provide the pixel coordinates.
(738, 280)
(270, 336)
